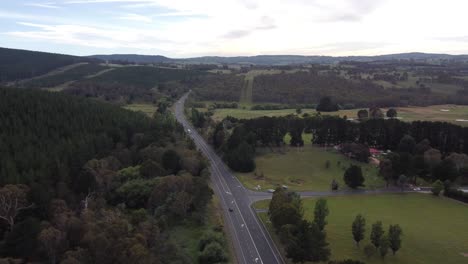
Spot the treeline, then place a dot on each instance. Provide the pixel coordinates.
(283, 106)
(74, 74)
(136, 83)
(306, 87)
(88, 182)
(425, 149)
(22, 64)
(219, 87)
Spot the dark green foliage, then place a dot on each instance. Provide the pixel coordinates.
(210, 237)
(394, 237)
(74, 74)
(356, 151)
(285, 208)
(326, 104)
(212, 253)
(150, 169)
(346, 261)
(145, 76)
(358, 228)
(445, 170)
(309, 244)
(171, 161)
(391, 113)
(136, 83)
(221, 87)
(437, 187)
(286, 214)
(377, 233)
(135, 193)
(353, 177)
(21, 64)
(320, 213)
(22, 240)
(306, 87)
(50, 136)
(198, 118)
(376, 113)
(383, 248)
(334, 185)
(363, 114)
(177, 197)
(407, 144)
(457, 194)
(241, 158)
(369, 250)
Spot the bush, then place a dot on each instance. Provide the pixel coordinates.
(456, 194)
(210, 237)
(369, 250)
(437, 187)
(353, 177)
(213, 253)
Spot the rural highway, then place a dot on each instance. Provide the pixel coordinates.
(251, 241)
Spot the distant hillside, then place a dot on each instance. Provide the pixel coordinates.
(133, 58)
(282, 59)
(23, 64)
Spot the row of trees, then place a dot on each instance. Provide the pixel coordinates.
(425, 149)
(379, 240)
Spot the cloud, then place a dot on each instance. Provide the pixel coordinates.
(136, 17)
(91, 36)
(236, 34)
(48, 5)
(244, 27)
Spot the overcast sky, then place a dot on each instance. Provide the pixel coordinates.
(188, 28)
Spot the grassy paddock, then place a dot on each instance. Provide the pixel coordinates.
(434, 227)
(303, 169)
(148, 109)
(426, 113)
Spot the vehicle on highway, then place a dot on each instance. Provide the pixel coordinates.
(188, 130)
(271, 190)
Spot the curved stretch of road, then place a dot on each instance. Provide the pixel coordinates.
(251, 241)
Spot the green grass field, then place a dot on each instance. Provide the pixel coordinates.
(447, 113)
(427, 113)
(303, 169)
(148, 109)
(434, 228)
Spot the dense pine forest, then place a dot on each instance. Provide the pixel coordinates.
(89, 182)
(74, 74)
(22, 64)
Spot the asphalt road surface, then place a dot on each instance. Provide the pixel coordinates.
(251, 241)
